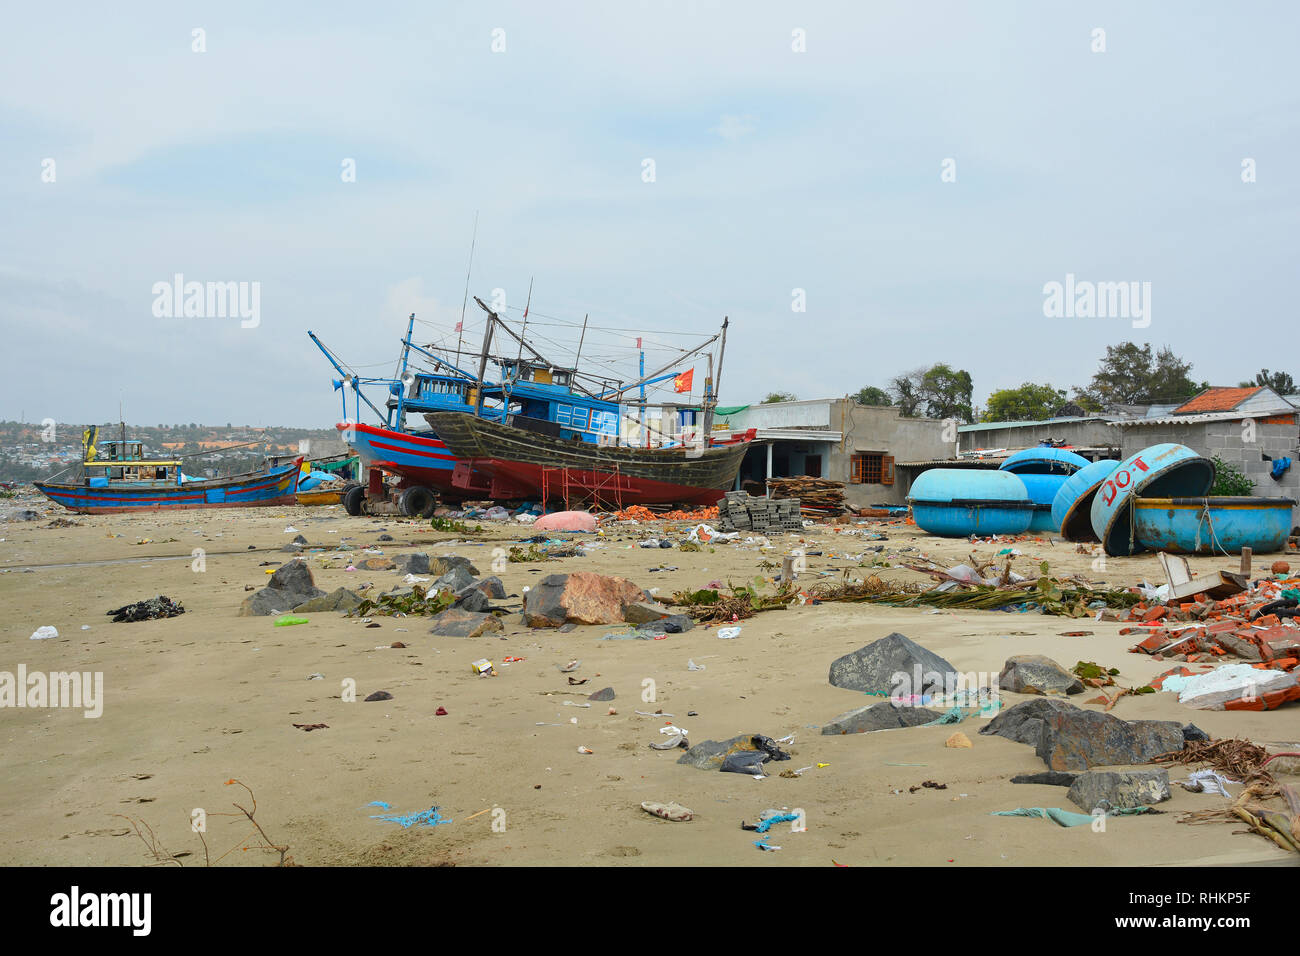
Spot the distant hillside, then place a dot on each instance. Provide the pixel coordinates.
(31, 452)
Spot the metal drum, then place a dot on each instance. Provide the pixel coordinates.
(1071, 507)
(960, 502)
(1165, 470)
(1215, 525)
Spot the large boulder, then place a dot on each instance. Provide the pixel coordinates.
(1070, 738)
(1114, 789)
(492, 587)
(340, 599)
(292, 584)
(581, 598)
(1036, 674)
(440, 566)
(893, 665)
(883, 715)
(471, 599)
(454, 622)
(415, 563)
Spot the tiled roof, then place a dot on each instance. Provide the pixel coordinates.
(1216, 400)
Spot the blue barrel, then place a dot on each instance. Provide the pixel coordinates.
(1071, 508)
(1166, 470)
(960, 502)
(1044, 461)
(1213, 525)
(1042, 492)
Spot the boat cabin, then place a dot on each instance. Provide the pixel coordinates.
(125, 461)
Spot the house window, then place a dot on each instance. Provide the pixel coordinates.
(871, 468)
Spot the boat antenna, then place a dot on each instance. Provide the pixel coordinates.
(460, 329)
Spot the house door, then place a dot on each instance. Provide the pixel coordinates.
(812, 466)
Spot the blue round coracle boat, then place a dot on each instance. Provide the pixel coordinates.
(1071, 508)
(1044, 460)
(960, 502)
(1042, 492)
(1213, 525)
(1165, 470)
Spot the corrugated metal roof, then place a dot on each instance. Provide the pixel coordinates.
(1066, 420)
(1205, 417)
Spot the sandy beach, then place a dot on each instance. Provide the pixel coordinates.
(197, 700)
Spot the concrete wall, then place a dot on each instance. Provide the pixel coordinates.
(807, 414)
(1085, 434)
(880, 428)
(1229, 441)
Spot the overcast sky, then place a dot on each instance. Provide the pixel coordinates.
(775, 170)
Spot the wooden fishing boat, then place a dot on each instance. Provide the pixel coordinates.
(519, 461)
(121, 479)
(1213, 524)
(320, 496)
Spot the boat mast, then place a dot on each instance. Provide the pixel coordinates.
(717, 386)
(483, 357)
(460, 329)
(401, 375)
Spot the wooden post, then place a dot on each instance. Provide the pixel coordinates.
(1245, 561)
(787, 569)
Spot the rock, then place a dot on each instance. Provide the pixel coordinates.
(385, 537)
(292, 548)
(440, 566)
(492, 587)
(340, 599)
(417, 563)
(471, 599)
(893, 665)
(1036, 674)
(710, 754)
(676, 623)
(293, 576)
(1070, 738)
(958, 740)
(1115, 789)
(299, 540)
(380, 695)
(1194, 734)
(1050, 778)
(291, 585)
(454, 622)
(374, 564)
(644, 612)
(883, 715)
(606, 693)
(581, 597)
(456, 579)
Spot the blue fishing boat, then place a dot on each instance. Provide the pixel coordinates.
(960, 502)
(1042, 490)
(1164, 470)
(1044, 460)
(1212, 525)
(121, 478)
(1071, 508)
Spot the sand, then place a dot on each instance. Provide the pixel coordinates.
(194, 701)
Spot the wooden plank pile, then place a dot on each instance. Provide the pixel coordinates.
(817, 496)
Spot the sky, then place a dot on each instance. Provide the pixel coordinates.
(860, 188)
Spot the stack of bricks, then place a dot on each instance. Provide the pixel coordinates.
(737, 511)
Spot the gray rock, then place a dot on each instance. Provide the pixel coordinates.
(676, 623)
(299, 540)
(1049, 778)
(644, 612)
(385, 537)
(893, 665)
(606, 693)
(883, 715)
(291, 585)
(380, 695)
(1192, 734)
(471, 599)
(1036, 674)
(293, 576)
(1070, 738)
(340, 599)
(544, 601)
(492, 587)
(417, 563)
(442, 565)
(454, 622)
(456, 579)
(1116, 789)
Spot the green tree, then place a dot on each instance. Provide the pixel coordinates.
(947, 392)
(870, 395)
(1130, 374)
(1027, 403)
(905, 390)
(1280, 382)
(778, 397)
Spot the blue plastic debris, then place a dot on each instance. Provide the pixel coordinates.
(425, 818)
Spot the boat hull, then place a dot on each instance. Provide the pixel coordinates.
(1212, 525)
(263, 489)
(419, 459)
(1165, 469)
(960, 502)
(518, 462)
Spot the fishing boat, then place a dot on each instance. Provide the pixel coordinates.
(121, 478)
(1212, 525)
(530, 393)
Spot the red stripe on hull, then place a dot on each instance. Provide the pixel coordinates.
(611, 488)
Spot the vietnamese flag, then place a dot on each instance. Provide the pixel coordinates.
(682, 383)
